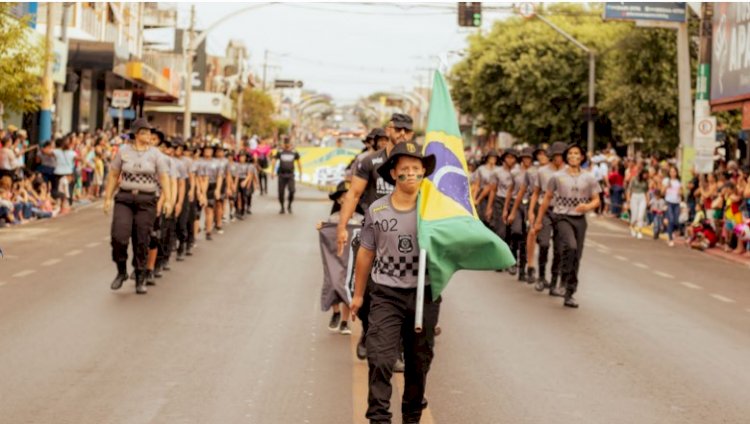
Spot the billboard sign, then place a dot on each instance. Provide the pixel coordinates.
(664, 12)
(730, 60)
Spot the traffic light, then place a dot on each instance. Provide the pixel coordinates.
(470, 14)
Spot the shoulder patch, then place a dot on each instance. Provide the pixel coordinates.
(380, 208)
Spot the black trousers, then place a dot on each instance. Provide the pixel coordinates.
(571, 232)
(286, 182)
(263, 181)
(167, 239)
(185, 224)
(133, 217)
(518, 231)
(544, 240)
(392, 321)
(501, 228)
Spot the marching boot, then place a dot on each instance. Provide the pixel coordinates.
(122, 275)
(530, 275)
(570, 302)
(150, 281)
(140, 282)
(553, 289)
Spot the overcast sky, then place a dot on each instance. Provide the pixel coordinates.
(346, 50)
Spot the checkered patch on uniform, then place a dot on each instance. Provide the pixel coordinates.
(144, 179)
(570, 202)
(401, 266)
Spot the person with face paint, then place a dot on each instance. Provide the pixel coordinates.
(575, 193)
(544, 237)
(389, 255)
(501, 182)
(483, 184)
(368, 186)
(136, 172)
(519, 210)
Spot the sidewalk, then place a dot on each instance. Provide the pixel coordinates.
(78, 205)
(716, 251)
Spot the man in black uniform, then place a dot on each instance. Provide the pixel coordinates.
(389, 254)
(368, 186)
(287, 157)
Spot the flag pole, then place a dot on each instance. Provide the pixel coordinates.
(420, 291)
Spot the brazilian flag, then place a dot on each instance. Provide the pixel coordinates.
(448, 227)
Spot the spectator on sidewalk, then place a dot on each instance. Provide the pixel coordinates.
(658, 210)
(672, 191)
(638, 201)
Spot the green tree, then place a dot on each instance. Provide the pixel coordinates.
(257, 112)
(21, 58)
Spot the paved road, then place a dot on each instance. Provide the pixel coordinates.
(235, 335)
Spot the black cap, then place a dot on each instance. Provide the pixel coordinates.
(556, 148)
(527, 152)
(506, 152)
(410, 149)
(140, 124)
(400, 120)
(342, 188)
(377, 133)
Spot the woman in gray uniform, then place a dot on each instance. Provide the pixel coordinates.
(484, 176)
(575, 193)
(142, 169)
(519, 209)
(502, 179)
(212, 180)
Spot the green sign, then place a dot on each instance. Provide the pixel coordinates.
(702, 84)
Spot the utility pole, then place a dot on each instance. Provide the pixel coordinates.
(240, 92)
(683, 86)
(265, 68)
(45, 115)
(59, 88)
(188, 53)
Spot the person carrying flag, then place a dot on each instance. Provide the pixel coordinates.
(389, 254)
(575, 193)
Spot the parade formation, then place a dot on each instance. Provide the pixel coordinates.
(283, 237)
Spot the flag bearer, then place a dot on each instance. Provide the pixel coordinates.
(136, 171)
(575, 194)
(389, 253)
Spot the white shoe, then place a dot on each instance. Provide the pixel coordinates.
(639, 236)
(344, 328)
(671, 243)
(632, 232)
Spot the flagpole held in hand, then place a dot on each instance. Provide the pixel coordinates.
(420, 290)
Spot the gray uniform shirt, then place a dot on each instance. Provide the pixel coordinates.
(182, 168)
(139, 170)
(484, 173)
(519, 178)
(392, 235)
(504, 179)
(571, 191)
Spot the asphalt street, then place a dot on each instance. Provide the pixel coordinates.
(235, 334)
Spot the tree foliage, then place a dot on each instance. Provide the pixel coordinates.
(22, 57)
(257, 113)
(526, 79)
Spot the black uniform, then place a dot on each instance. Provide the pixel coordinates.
(135, 204)
(286, 161)
(518, 226)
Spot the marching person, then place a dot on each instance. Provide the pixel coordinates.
(575, 193)
(286, 158)
(532, 180)
(211, 180)
(519, 209)
(186, 215)
(389, 255)
(367, 187)
(544, 236)
(483, 185)
(502, 180)
(168, 224)
(136, 170)
(224, 187)
(246, 181)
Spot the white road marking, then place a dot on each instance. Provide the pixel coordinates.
(640, 265)
(24, 273)
(74, 252)
(603, 251)
(722, 298)
(691, 285)
(620, 257)
(51, 262)
(664, 274)
(94, 244)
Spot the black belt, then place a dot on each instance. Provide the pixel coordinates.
(137, 192)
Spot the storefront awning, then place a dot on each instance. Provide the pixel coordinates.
(202, 102)
(96, 55)
(158, 87)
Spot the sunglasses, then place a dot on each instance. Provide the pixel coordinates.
(398, 130)
(403, 177)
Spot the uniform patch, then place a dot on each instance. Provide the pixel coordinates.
(380, 208)
(405, 244)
